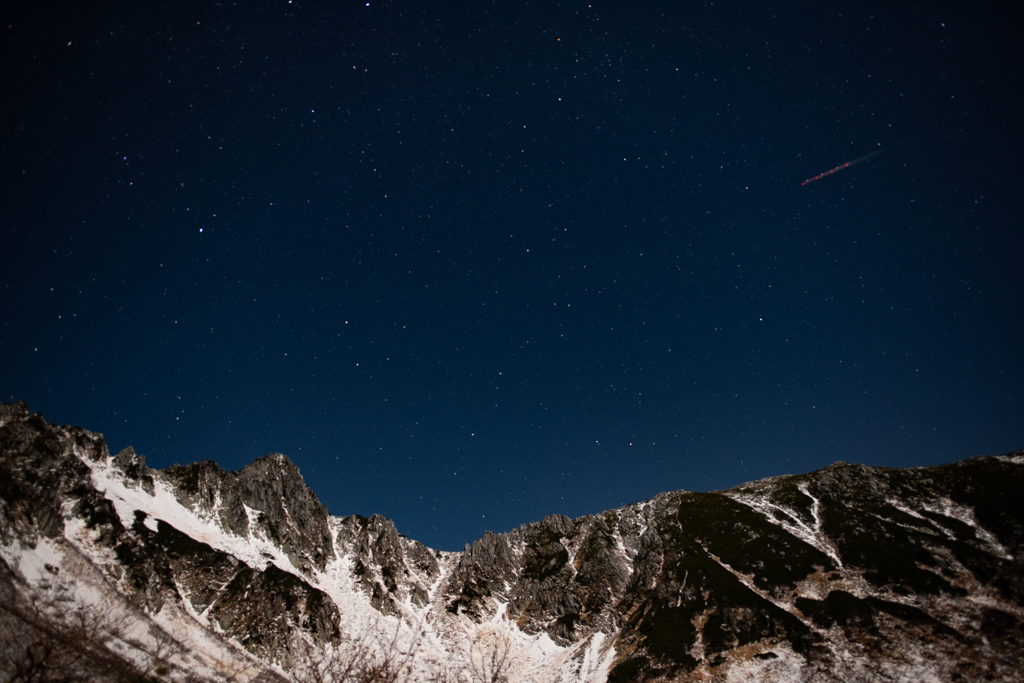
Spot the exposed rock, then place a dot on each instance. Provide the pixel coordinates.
(39, 471)
(387, 567)
(483, 573)
(847, 573)
(291, 514)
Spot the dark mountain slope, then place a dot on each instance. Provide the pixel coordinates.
(847, 573)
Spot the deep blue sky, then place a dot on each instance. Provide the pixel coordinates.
(469, 264)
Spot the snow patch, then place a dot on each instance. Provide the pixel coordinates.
(962, 513)
(255, 550)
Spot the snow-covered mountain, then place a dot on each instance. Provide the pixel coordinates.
(193, 573)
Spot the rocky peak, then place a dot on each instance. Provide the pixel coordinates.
(482, 574)
(37, 472)
(848, 573)
(274, 486)
(390, 568)
(287, 511)
(46, 481)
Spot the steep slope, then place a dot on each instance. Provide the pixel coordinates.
(846, 573)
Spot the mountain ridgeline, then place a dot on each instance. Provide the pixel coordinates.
(193, 573)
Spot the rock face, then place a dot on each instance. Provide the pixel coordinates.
(289, 512)
(847, 573)
(45, 470)
(389, 568)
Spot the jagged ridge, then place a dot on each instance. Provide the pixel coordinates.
(849, 571)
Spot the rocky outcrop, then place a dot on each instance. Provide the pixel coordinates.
(482, 576)
(858, 570)
(38, 472)
(288, 512)
(391, 569)
(849, 568)
(847, 573)
(259, 608)
(573, 575)
(44, 471)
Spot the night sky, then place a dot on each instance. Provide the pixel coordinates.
(470, 264)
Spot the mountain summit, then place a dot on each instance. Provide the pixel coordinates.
(115, 571)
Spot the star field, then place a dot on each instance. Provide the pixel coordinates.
(471, 264)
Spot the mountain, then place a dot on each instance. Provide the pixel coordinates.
(115, 571)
